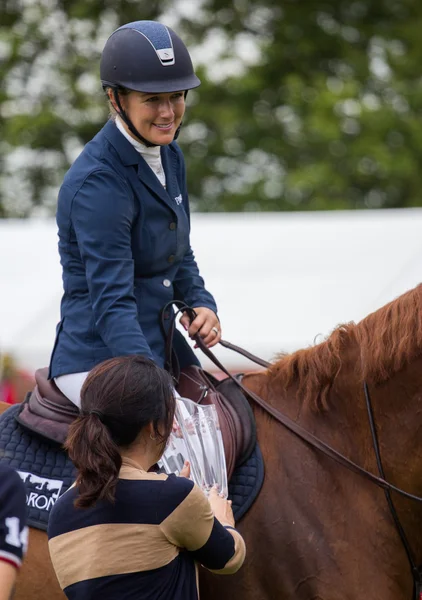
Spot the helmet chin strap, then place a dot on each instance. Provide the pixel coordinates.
(132, 127)
(129, 123)
(176, 135)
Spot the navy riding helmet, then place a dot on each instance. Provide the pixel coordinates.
(146, 56)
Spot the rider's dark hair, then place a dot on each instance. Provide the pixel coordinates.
(119, 397)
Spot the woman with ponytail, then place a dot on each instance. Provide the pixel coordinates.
(123, 531)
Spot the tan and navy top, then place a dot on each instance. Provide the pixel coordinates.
(145, 546)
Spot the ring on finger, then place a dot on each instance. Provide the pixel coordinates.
(215, 330)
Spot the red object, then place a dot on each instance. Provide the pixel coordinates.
(10, 561)
(9, 393)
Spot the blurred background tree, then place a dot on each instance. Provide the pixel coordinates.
(303, 106)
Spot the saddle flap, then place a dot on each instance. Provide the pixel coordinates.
(243, 417)
(47, 411)
(234, 414)
(51, 397)
(49, 429)
(193, 384)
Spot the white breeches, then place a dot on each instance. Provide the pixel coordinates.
(71, 385)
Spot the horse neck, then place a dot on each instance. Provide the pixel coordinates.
(344, 425)
(336, 415)
(313, 502)
(344, 422)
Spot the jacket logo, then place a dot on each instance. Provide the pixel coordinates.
(178, 199)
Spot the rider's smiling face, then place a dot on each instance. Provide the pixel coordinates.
(155, 116)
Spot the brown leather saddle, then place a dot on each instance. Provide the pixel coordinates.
(235, 416)
(47, 412)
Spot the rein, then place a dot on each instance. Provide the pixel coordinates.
(316, 443)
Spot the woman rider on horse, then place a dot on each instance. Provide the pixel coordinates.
(123, 217)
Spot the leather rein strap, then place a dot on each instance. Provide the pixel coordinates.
(184, 308)
(245, 353)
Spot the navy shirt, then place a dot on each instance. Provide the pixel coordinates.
(13, 530)
(143, 547)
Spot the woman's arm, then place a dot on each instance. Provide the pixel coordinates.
(13, 530)
(188, 283)
(102, 214)
(7, 580)
(192, 525)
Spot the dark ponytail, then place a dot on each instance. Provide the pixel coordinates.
(97, 458)
(119, 397)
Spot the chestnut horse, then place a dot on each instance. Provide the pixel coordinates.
(317, 530)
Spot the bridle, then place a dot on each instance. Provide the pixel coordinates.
(316, 443)
(416, 570)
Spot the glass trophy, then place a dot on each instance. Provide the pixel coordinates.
(196, 437)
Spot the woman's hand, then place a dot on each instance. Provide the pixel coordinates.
(206, 323)
(185, 472)
(221, 508)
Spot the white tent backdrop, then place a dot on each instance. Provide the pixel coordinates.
(282, 281)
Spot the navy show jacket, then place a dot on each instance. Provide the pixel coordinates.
(125, 252)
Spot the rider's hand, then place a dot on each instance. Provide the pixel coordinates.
(206, 323)
(221, 508)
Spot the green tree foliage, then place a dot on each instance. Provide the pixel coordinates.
(304, 105)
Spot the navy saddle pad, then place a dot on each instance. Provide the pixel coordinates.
(48, 472)
(246, 483)
(44, 467)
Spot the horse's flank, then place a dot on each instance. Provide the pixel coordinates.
(387, 339)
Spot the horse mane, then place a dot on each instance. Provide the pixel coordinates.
(387, 339)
